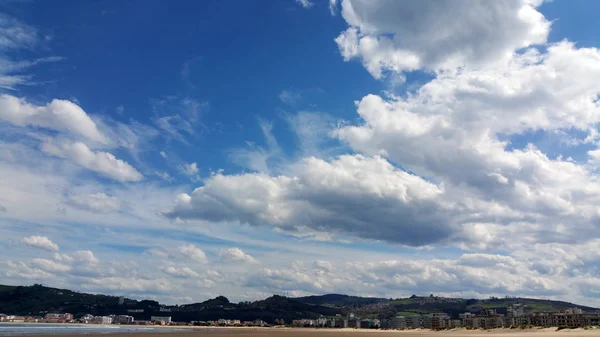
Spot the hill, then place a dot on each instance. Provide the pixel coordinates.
(339, 300)
(37, 300)
(385, 308)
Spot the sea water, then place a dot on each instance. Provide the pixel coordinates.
(55, 329)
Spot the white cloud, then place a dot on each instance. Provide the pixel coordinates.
(40, 242)
(57, 115)
(258, 158)
(12, 72)
(194, 253)
(179, 271)
(163, 154)
(400, 36)
(439, 167)
(313, 131)
(131, 284)
(190, 169)
(103, 163)
(164, 176)
(452, 132)
(332, 7)
(237, 255)
(86, 257)
(15, 34)
(50, 266)
(20, 270)
(97, 202)
(178, 118)
(305, 3)
(364, 196)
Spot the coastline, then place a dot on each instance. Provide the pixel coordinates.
(186, 331)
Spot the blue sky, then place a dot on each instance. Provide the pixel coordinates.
(368, 147)
(193, 51)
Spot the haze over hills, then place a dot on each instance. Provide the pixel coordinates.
(38, 300)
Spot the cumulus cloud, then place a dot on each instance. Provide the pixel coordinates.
(438, 161)
(103, 163)
(364, 196)
(57, 115)
(190, 169)
(179, 271)
(470, 274)
(237, 255)
(86, 257)
(194, 253)
(41, 242)
(50, 266)
(22, 271)
(399, 36)
(451, 130)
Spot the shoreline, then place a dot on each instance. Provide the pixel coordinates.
(249, 331)
(309, 329)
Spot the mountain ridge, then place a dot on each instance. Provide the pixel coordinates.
(37, 300)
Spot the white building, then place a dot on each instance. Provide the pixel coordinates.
(161, 319)
(101, 320)
(122, 319)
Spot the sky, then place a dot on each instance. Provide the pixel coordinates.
(181, 151)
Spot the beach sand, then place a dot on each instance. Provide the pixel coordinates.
(291, 332)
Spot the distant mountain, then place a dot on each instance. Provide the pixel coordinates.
(38, 300)
(339, 300)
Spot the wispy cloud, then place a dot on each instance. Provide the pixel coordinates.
(259, 158)
(179, 118)
(16, 35)
(305, 3)
(290, 97)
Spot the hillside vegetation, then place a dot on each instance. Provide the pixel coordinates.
(38, 300)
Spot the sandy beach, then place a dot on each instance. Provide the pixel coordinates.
(295, 332)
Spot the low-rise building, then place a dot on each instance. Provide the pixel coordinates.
(336, 323)
(398, 322)
(122, 319)
(435, 321)
(58, 318)
(101, 320)
(164, 320)
(414, 321)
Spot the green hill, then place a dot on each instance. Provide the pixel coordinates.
(385, 308)
(37, 300)
(339, 300)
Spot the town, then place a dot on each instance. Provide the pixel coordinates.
(487, 319)
(67, 318)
